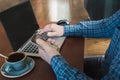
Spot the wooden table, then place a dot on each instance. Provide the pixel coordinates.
(72, 50)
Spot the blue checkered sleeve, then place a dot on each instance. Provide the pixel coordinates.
(113, 52)
(96, 29)
(114, 70)
(64, 71)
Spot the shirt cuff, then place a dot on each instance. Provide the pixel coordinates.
(73, 30)
(57, 61)
(59, 65)
(68, 30)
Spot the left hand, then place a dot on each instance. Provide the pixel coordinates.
(53, 30)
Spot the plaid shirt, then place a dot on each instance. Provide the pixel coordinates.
(105, 28)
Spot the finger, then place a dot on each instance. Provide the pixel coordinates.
(46, 29)
(42, 43)
(51, 34)
(52, 41)
(41, 51)
(42, 54)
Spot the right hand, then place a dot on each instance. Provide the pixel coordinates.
(53, 30)
(47, 52)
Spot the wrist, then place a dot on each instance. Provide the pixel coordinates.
(62, 23)
(62, 30)
(66, 30)
(54, 57)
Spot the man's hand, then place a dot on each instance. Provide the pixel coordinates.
(47, 52)
(53, 30)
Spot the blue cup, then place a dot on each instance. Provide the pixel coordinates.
(16, 61)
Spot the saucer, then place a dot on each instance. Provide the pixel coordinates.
(14, 74)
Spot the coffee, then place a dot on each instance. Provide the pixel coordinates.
(16, 61)
(15, 57)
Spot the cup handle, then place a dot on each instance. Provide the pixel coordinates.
(8, 68)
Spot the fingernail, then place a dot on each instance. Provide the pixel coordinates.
(37, 41)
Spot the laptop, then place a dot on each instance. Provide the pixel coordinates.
(20, 25)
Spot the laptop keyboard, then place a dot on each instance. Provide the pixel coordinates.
(30, 48)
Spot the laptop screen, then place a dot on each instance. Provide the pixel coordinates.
(19, 23)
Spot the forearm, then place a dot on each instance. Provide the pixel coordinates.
(98, 29)
(65, 72)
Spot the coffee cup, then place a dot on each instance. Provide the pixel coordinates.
(16, 61)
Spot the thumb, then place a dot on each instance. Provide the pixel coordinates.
(42, 43)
